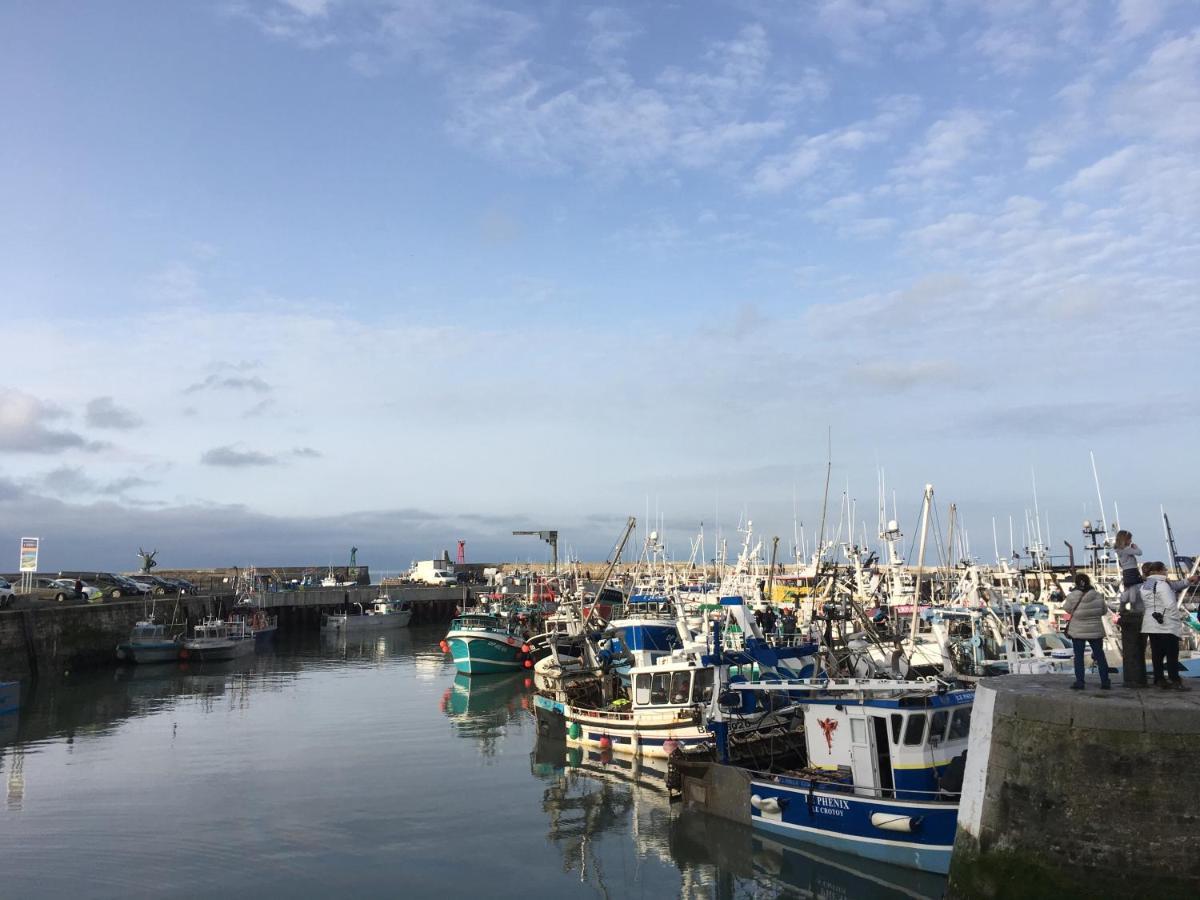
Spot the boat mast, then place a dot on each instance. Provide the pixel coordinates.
(920, 564)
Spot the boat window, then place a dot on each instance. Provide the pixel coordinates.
(858, 731)
(937, 727)
(642, 692)
(702, 686)
(960, 724)
(658, 691)
(681, 684)
(914, 732)
(897, 721)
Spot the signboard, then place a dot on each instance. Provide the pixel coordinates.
(29, 554)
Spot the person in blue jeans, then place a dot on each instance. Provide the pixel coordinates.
(1087, 609)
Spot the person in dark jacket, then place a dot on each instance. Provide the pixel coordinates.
(1086, 628)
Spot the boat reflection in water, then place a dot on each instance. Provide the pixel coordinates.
(588, 793)
(488, 707)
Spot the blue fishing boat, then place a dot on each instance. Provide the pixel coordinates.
(483, 644)
(883, 771)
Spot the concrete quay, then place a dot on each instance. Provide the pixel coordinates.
(1079, 793)
(53, 638)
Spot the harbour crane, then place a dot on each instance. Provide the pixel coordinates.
(551, 538)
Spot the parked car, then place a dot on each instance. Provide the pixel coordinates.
(6, 593)
(48, 589)
(116, 586)
(90, 593)
(155, 585)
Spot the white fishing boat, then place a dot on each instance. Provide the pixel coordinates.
(149, 642)
(214, 639)
(382, 615)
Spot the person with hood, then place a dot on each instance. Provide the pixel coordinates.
(1163, 622)
(1086, 628)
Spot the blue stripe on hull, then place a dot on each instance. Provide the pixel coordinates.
(927, 859)
(842, 820)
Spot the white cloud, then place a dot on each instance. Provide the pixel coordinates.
(1161, 99)
(948, 143)
(1139, 16)
(810, 154)
(1102, 173)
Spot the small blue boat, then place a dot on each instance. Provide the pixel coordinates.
(10, 696)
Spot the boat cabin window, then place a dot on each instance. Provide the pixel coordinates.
(672, 688)
(642, 690)
(897, 722)
(858, 731)
(914, 732)
(937, 726)
(681, 683)
(658, 689)
(960, 724)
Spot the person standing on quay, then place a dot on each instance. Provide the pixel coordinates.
(1087, 609)
(1163, 622)
(1127, 554)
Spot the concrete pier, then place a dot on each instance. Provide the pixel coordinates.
(51, 638)
(1079, 793)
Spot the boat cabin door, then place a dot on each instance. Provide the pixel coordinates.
(862, 756)
(870, 754)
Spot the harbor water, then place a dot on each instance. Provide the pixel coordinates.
(356, 767)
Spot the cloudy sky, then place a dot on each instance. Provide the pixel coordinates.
(282, 276)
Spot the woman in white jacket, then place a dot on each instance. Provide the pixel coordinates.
(1163, 622)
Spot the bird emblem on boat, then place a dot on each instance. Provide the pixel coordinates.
(828, 726)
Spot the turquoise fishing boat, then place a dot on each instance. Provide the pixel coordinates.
(485, 645)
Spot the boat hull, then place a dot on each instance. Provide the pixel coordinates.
(338, 624)
(915, 835)
(633, 734)
(477, 653)
(143, 653)
(216, 650)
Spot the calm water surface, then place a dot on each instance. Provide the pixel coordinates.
(365, 768)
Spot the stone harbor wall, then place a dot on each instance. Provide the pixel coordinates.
(1092, 793)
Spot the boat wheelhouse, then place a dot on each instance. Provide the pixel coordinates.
(661, 714)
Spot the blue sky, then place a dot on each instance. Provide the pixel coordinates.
(283, 276)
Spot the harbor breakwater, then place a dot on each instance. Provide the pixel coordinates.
(53, 638)
(1090, 793)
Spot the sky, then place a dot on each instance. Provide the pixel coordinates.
(282, 277)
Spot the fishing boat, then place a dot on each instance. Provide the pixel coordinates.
(660, 708)
(485, 644)
(214, 639)
(883, 775)
(382, 615)
(149, 642)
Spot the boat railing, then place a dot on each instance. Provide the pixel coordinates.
(642, 715)
(818, 782)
